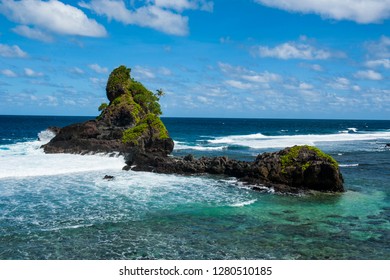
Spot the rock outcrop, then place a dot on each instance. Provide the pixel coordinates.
(295, 169)
(129, 124)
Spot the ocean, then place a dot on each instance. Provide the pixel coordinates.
(58, 206)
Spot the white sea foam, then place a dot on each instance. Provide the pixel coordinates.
(45, 136)
(244, 203)
(259, 141)
(183, 146)
(349, 165)
(26, 159)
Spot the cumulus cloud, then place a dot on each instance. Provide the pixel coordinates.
(98, 69)
(31, 73)
(380, 48)
(264, 77)
(292, 50)
(52, 16)
(238, 84)
(11, 51)
(76, 70)
(143, 72)
(180, 5)
(369, 75)
(32, 33)
(316, 67)
(385, 63)
(8, 73)
(242, 78)
(340, 83)
(161, 15)
(151, 16)
(360, 11)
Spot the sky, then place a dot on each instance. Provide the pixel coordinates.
(212, 58)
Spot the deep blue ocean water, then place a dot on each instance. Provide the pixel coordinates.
(59, 207)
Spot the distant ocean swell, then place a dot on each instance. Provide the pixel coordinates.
(260, 141)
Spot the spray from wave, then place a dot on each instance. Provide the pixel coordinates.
(26, 159)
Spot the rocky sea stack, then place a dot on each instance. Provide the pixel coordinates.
(130, 125)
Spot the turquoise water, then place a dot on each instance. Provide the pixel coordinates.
(59, 207)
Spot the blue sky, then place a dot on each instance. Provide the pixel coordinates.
(220, 58)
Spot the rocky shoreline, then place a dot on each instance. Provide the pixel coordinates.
(130, 125)
(292, 170)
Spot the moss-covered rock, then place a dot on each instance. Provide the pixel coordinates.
(118, 82)
(301, 167)
(130, 122)
(293, 157)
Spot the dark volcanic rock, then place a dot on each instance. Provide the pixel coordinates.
(108, 177)
(290, 170)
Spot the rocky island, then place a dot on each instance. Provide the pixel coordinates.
(130, 125)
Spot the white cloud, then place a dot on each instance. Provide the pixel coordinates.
(52, 101)
(342, 83)
(11, 51)
(143, 72)
(8, 73)
(180, 5)
(151, 16)
(305, 86)
(229, 69)
(369, 75)
(238, 84)
(316, 67)
(243, 78)
(301, 86)
(264, 77)
(292, 50)
(98, 83)
(53, 16)
(76, 70)
(380, 48)
(360, 11)
(98, 69)
(385, 63)
(31, 73)
(32, 33)
(204, 100)
(356, 88)
(165, 71)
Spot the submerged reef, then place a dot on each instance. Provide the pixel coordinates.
(130, 125)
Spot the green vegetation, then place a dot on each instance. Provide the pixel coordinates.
(152, 124)
(324, 156)
(160, 93)
(132, 135)
(128, 95)
(145, 98)
(118, 82)
(157, 125)
(102, 106)
(290, 158)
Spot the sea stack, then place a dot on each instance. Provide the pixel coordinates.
(130, 125)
